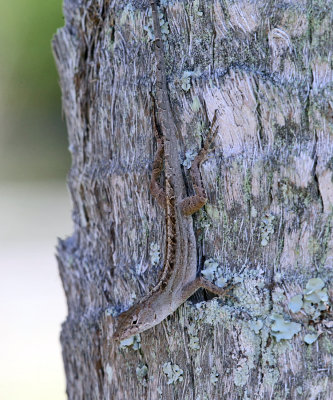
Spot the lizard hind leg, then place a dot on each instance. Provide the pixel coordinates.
(201, 282)
(192, 204)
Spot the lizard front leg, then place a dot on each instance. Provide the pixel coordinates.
(192, 204)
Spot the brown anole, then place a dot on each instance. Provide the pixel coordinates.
(178, 279)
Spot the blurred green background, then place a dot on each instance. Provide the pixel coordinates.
(33, 138)
(34, 203)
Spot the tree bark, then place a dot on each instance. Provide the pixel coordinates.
(266, 66)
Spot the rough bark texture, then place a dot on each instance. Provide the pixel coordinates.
(267, 67)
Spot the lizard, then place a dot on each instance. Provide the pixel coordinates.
(178, 279)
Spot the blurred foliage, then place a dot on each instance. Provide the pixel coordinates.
(33, 136)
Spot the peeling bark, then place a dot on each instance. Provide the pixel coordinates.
(266, 66)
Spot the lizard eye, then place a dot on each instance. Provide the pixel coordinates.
(135, 320)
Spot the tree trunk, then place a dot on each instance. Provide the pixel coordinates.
(266, 66)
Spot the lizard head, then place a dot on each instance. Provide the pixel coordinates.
(133, 321)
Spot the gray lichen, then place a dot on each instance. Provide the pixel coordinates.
(141, 373)
(256, 325)
(133, 341)
(189, 157)
(196, 105)
(214, 273)
(266, 228)
(154, 253)
(186, 80)
(213, 377)
(194, 340)
(173, 372)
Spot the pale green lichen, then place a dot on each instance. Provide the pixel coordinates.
(314, 291)
(326, 236)
(111, 311)
(189, 157)
(278, 296)
(210, 312)
(310, 338)
(255, 334)
(213, 377)
(221, 281)
(196, 5)
(128, 12)
(213, 212)
(282, 329)
(313, 301)
(296, 303)
(186, 80)
(249, 344)
(164, 25)
(213, 313)
(271, 374)
(254, 212)
(266, 228)
(194, 343)
(194, 340)
(214, 273)
(210, 269)
(248, 284)
(204, 221)
(109, 373)
(154, 253)
(327, 344)
(150, 31)
(256, 325)
(314, 285)
(108, 38)
(196, 105)
(149, 28)
(313, 246)
(317, 387)
(247, 185)
(252, 335)
(141, 373)
(312, 310)
(134, 341)
(294, 198)
(241, 374)
(173, 372)
(245, 396)
(299, 390)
